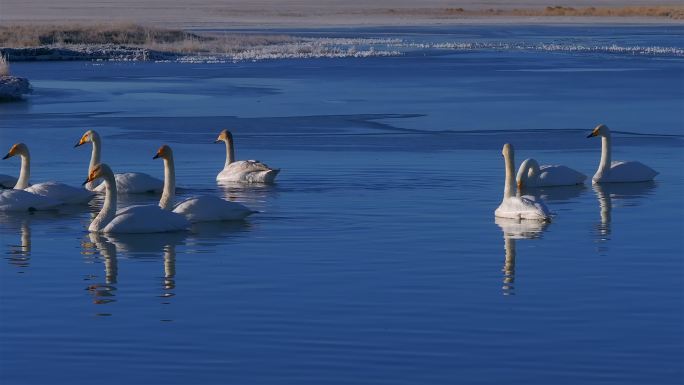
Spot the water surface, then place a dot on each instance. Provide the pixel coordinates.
(376, 257)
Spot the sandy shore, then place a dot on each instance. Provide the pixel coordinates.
(309, 13)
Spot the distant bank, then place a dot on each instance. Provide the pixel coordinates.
(309, 13)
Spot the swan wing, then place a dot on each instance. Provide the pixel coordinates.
(558, 175)
(20, 200)
(146, 219)
(209, 208)
(629, 171)
(248, 171)
(135, 183)
(61, 192)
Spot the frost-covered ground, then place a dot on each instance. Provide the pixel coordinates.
(340, 47)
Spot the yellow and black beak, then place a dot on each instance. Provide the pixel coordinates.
(88, 180)
(593, 133)
(80, 142)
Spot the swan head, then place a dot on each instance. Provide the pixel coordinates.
(164, 152)
(224, 136)
(507, 150)
(98, 172)
(17, 149)
(88, 137)
(600, 130)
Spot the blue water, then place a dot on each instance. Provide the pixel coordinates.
(376, 257)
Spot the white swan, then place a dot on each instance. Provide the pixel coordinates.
(196, 209)
(126, 183)
(134, 219)
(518, 207)
(245, 171)
(617, 171)
(7, 181)
(530, 174)
(55, 190)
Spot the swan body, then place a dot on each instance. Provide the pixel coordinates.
(530, 174)
(244, 171)
(20, 200)
(617, 171)
(7, 181)
(62, 192)
(54, 190)
(126, 183)
(134, 219)
(196, 209)
(518, 207)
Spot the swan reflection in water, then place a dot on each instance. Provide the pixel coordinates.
(251, 195)
(148, 247)
(513, 230)
(19, 254)
(17, 227)
(133, 246)
(611, 195)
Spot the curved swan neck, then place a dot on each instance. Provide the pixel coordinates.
(94, 157)
(509, 186)
(25, 173)
(605, 154)
(230, 151)
(169, 192)
(108, 211)
(528, 168)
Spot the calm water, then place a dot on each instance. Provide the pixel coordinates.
(376, 258)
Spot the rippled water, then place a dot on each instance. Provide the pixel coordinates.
(376, 258)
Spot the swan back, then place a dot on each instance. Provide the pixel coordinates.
(20, 200)
(62, 192)
(210, 208)
(146, 219)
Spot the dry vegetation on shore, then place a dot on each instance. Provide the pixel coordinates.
(670, 12)
(4, 66)
(131, 35)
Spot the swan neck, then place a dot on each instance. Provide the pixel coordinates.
(25, 172)
(230, 151)
(528, 169)
(94, 159)
(169, 192)
(509, 187)
(605, 154)
(108, 211)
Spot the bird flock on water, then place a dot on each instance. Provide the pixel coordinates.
(170, 215)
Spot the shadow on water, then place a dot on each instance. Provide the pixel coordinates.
(513, 230)
(612, 195)
(557, 193)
